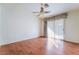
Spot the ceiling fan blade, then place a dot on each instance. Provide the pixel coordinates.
(47, 12)
(36, 12)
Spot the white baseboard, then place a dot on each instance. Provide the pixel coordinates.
(5, 43)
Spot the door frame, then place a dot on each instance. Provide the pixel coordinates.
(45, 27)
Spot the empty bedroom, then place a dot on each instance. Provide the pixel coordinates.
(39, 28)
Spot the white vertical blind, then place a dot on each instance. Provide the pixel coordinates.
(55, 28)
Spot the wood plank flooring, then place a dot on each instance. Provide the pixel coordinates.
(40, 46)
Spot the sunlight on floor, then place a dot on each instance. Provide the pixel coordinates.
(54, 45)
(53, 40)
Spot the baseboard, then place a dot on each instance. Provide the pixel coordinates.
(42, 36)
(35, 38)
(3, 44)
(70, 42)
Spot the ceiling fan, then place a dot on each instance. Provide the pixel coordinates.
(42, 9)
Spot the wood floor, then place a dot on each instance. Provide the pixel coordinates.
(40, 46)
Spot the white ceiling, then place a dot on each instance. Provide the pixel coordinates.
(55, 8)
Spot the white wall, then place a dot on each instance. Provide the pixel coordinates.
(18, 23)
(0, 24)
(72, 26)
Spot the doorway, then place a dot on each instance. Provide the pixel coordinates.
(55, 29)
